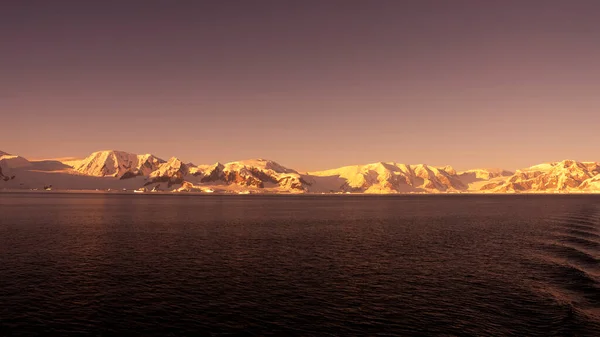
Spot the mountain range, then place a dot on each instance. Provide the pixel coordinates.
(119, 170)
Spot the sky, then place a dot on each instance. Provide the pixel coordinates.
(311, 84)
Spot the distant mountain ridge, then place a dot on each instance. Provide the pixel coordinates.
(394, 178)
(113, 169)
(565, 176)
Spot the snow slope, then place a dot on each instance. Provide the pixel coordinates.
(476, 178)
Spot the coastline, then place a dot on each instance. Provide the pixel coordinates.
(226, 193)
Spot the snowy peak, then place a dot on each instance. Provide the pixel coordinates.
(9, 164)
(171, 167)
(173, 172)
(13, 162)
(117, 164)
(147, 163)
(208, 172)
(448, 169)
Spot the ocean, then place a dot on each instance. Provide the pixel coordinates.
(342, 265)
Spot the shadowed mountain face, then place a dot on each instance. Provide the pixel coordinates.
(118, 170)
(2, 154)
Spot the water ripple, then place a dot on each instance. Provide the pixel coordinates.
(299, 266)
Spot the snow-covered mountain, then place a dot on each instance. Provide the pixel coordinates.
(388, 178)
(122, 170)
(172, 172)
(117, 164)
(258, 173)
(564, 176)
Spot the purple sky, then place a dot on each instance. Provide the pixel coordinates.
(310, 84)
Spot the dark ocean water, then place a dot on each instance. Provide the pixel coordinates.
(173, 265)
